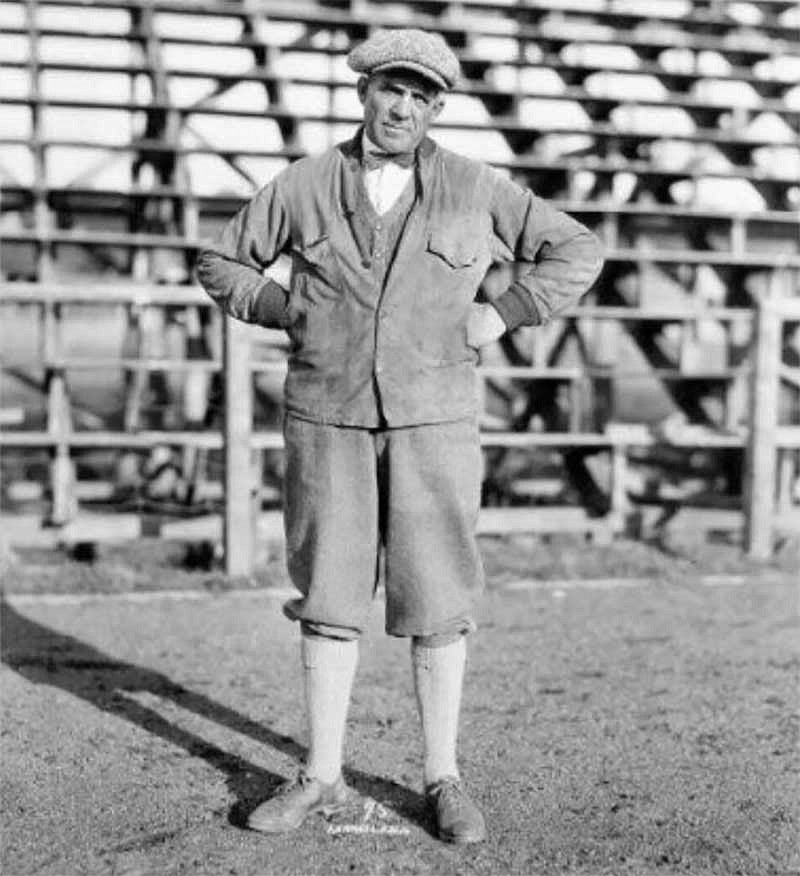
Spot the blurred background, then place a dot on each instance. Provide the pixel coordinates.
(130, 131)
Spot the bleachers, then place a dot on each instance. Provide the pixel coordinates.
(131, 130)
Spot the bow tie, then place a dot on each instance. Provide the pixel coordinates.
(376, 160)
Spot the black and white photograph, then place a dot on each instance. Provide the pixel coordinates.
(399, 437)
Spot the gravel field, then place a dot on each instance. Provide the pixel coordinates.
(645, 728)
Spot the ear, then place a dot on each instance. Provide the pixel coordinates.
(361, 88)
(437, 105)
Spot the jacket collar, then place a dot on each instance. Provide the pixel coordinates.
(352, 155)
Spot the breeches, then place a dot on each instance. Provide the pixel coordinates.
(406, 499)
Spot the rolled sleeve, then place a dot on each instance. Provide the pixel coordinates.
(563, 257)
(231, 269)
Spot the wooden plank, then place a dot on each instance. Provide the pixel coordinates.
(197, 381)
(538, 488)
(64, 504)
(659, 314)
(788, 473)
(760, 460)
(789, 307)
(11, 416)
(26, 530)
(103, 439)
(545, 439)
(575, 395)
(515, 372)
(522, 164)
(790, 375)
(209, 527)
(692, 520)
(104, 363)
(266, 440)
(317, 17)
(85, 491)
(788, 522)
(105, 294)
(143, 440)
(787, 436)
(135, 380)
(112, 294)
(101, 528)
(577, 70)
(541, 519)
(238, 427)
(738, 235)
(523, 372)
(619, 482)
(226, 203)
(84, 237)
(698, 437)
(505, 123)
(694, 436)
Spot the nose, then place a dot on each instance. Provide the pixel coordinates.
(401, 107)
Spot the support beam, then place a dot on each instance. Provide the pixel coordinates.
(239, 541)
(760, 470)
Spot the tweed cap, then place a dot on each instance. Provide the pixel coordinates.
(419, 50)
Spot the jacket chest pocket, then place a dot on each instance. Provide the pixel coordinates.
(458, 250)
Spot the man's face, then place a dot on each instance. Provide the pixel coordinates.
(399, 107)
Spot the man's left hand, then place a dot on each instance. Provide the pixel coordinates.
(484, 325)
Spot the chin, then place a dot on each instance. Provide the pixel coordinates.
(399, 141)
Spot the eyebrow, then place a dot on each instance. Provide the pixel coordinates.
(414, 90)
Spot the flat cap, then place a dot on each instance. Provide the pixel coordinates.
(419, 50)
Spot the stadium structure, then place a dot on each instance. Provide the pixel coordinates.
(130, 130)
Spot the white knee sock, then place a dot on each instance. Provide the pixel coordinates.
(438, 677)
(329, 666)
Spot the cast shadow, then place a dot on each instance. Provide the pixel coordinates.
(44, 656)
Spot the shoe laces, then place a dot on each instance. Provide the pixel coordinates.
(448, 791)
(301, 781)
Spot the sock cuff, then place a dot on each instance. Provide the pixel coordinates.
(439, 640)
(423, 656)
(318, 650)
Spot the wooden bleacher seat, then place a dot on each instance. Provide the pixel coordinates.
(669, 128)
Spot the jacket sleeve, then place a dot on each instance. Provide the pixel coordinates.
(231, 268)
(559, 257)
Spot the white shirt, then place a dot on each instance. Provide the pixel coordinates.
(384, 184)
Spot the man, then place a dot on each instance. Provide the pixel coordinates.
(390, 236)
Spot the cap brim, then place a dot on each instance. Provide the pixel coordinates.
(429, 74)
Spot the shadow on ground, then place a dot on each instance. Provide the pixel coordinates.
(47, 657)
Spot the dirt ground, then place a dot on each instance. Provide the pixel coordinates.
(649, 727)
(150, 563)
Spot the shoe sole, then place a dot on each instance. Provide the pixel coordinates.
(462, 839)
(327, 809)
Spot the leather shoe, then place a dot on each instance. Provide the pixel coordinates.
(458, 819)
(295, 800)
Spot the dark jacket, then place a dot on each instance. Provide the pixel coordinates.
(401, 339)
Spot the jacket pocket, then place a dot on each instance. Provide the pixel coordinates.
(459, 250)
(317, 251)
(317, 257)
